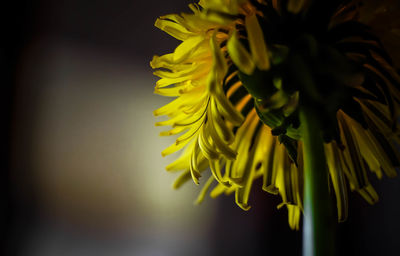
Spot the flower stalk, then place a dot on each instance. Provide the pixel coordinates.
(318, 235)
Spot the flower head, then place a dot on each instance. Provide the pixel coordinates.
(238, 77)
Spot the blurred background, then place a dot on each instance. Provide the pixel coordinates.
(82, 169)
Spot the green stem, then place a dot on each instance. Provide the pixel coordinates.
(318, 234)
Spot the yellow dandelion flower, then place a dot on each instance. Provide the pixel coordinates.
(247, 76)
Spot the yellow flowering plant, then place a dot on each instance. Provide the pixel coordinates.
(298, 93)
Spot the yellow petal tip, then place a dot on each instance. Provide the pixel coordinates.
(245, 207)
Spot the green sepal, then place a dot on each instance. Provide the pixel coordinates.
(290, 145)
(273, 118)
(259, 84)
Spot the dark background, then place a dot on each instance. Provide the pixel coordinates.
(82, 173)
